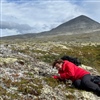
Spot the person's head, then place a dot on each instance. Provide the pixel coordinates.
(58, 64)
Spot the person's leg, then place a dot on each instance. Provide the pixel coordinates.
(89, 85)
(77, 84)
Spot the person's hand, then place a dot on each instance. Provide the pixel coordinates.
(55, 77)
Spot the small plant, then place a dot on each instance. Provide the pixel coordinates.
(51, 82)
(2, 91)
(30, 86)
(70, 97)
(7, 82)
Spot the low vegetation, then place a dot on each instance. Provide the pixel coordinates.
(88, 55)
(22, 57)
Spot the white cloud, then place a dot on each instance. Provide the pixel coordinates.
(8, 32)
(13, 25)
(41, 15)
(92, 7)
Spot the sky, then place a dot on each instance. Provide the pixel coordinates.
(33, 16)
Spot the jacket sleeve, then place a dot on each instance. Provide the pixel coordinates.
(68, 70)
(55, 77)
(64, 76)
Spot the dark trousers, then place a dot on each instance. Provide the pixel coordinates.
(86, 84)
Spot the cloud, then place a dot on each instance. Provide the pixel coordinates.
(92, 7)
(26, 16)
(8, 32)
(12, 25)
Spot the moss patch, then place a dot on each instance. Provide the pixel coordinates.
(7, 60)
(51, 82)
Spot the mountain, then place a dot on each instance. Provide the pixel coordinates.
(80, 24)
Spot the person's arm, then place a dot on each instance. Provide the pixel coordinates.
(55, 77)
(59, 78)
(68, 70)
(64, 76)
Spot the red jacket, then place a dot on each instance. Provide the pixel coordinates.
(71, 71)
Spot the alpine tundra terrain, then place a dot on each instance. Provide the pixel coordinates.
(26, 61)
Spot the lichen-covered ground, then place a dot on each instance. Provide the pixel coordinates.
(25, 69)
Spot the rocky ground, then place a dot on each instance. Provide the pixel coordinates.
(25, 71)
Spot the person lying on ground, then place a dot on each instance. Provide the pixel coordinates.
(80, 77)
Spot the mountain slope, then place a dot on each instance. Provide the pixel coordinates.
(80, 24)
